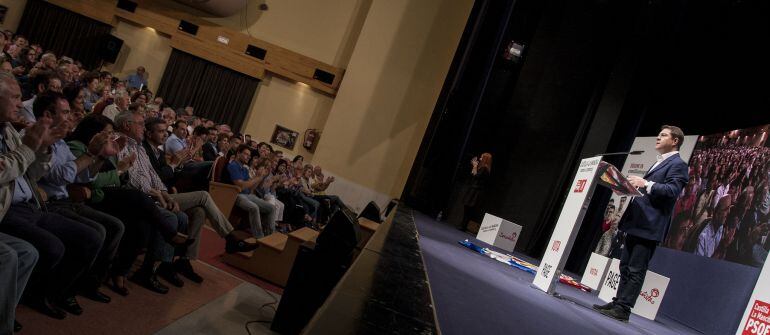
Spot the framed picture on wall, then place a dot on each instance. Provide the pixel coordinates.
(3, 11)
(284, 137)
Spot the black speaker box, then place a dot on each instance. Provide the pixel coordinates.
(371, 212)
(323, 76)
(109, 48)
(188, 27)
(256, 52)
(127, 5)
(315, 273)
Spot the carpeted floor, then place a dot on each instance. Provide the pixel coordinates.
(212, 247)
(141, 312)
(474, 294)
(145, 312)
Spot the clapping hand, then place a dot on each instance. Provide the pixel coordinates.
(125, 163)
(41, 134)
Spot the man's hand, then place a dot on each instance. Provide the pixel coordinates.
(101, 145)
(170, 203)
(54, 133)
(637, 181)
(125, 163)
(33, 136)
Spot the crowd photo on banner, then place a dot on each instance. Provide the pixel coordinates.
(723, 211)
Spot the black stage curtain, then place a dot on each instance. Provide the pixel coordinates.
(64, 32)
(216, 92)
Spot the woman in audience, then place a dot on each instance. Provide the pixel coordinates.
(75, 95)
(137, 211)
(480, 169)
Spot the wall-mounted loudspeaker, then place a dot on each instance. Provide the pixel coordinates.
(323, 76)
(188, 27)
(127, 5)
(109, 48)
(256, 52)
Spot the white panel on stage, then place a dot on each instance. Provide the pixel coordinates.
(611, 281)
(595, 271)
(499, 232)
(564, 233)
(649, 300)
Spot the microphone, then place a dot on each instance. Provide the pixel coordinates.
(621, 153)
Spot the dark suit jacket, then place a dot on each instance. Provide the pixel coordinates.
(165, 171)
(649, 216)
(210, 152)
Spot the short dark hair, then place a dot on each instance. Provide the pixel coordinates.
(241, 148)
(42, 78)
(176, 124)
(200, 130)
(90, 76)
(134, 107)
(150, 123)
(71, 92)
(676, 133)
(46, 101)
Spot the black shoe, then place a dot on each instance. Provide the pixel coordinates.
(605, 306)
(184, 268)
(233, 245)
(180, 240)
(16, 326)
(167, 272)
(96, 295)
(70, 305)
(42, 305)
(112, 284)
(617, 312)
(149, 281)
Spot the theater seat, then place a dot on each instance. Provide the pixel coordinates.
(274, 257)
(223, 194)
(368, 227)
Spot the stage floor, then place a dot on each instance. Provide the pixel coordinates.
(474, 294)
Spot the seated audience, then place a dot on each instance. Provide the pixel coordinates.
(67, 248)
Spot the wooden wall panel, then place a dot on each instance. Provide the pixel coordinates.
(204, 44)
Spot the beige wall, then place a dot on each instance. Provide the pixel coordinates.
(324, 30)
(13, 16)
(319, 29)
(292, 105)
(391, 85)
(141, 46)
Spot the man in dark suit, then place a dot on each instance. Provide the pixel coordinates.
(210, 150)
(647, 219)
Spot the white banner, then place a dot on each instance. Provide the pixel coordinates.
(595, 270)
(756, 318)
(564, 233)
(611, 281)
(649, 299)
(499, 232)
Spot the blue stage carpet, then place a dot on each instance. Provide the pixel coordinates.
(474, 294)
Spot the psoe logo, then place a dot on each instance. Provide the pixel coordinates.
(556, 245)
(654, 293)
(594, 272)
(580, 185)
(511, 237)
